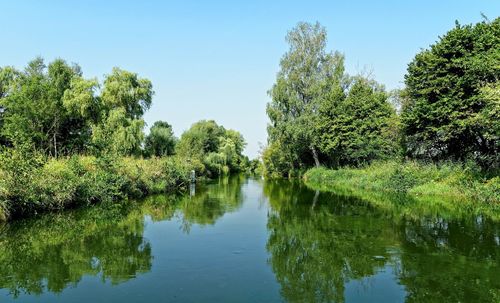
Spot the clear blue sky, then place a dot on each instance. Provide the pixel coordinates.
(217, 59)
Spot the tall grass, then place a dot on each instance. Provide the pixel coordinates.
(29, 184)
(446, 185)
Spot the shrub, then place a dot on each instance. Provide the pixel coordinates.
(18, 170)
(30, 184)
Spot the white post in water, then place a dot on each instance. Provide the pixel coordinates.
(193, 176)
(192, 189)
(192, 186)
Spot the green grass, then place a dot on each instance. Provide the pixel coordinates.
(415, 188)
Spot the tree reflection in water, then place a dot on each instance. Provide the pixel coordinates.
(318, 244)
(55, 251)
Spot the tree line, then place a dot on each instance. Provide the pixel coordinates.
(448, 110)
(53, 110)
(69, 141)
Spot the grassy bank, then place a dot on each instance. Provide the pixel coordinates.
(32, 185)
(430, 187)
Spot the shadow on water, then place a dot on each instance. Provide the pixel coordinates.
(319, 242)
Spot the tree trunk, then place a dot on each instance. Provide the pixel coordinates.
(315, 156)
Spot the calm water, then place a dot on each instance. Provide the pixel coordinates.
(246, 240)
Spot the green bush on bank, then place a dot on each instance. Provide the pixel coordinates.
(31, 184)
(449, 181)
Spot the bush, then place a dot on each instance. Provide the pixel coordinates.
(18, 170)
(31, 184)
(55, 185)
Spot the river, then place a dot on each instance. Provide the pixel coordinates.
(242, 239)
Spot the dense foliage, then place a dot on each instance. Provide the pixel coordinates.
(306, 73)
(358, 126)
(160, 141)
(321, 115)
(452, 111)
(219, 149)
(449, 109)
(67, 141)
(58, 112)
(31, 184)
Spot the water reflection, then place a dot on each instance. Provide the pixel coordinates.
(318, 245)
(55, 251)
(450, 260)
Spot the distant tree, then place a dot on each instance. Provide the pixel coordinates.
(219, 149)
(278, 161)
(231, 146)
(443, 118)
(160, 141)
(202, 138)
(305, 72)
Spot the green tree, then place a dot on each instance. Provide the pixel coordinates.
(359, 125)
(231, 146)
(32, 103)
(487, 122)
(277, 160)
(442, 119)
(218, 148)
(200, 139)
(123, 89)
(8, 76)
(319, 113)
(56, 111)
(84, 107)
(125, 97)
(64, 129)
(305, 72)
(115, 116)
(118, 134)
(24, 118)
(160, 141)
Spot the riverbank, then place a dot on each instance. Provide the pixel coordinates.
(30, 185)
(427, 186)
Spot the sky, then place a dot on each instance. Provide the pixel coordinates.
(217, 59)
